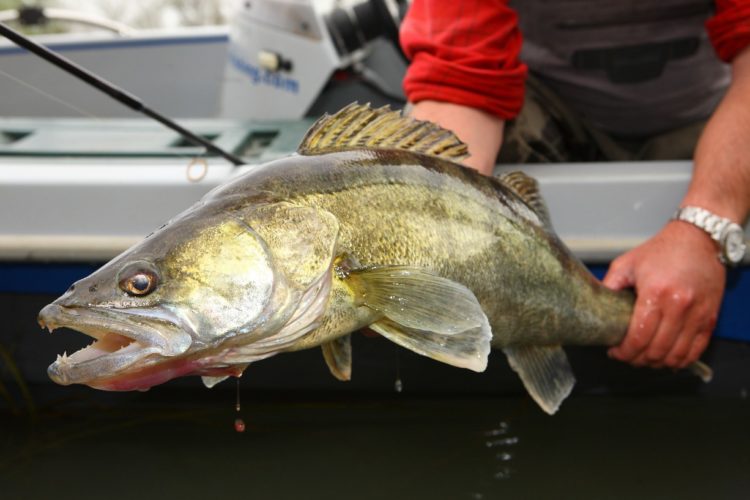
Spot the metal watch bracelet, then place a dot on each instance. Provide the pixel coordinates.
(729, 235)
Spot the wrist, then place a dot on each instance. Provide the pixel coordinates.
(721, 206)
(727, 236)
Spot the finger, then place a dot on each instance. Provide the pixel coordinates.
(700, 342)
(673, 326)
(619, 275)
(678, 355)
(681, 348)
(641, 330)
(704, 322)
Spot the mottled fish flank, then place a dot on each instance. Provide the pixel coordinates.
(373, 224)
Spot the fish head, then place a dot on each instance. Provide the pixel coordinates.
(173, 305)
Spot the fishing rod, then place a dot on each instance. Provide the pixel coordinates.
(111, 90)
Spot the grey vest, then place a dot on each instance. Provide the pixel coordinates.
(632, 67)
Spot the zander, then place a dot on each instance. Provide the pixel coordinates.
(371, 224)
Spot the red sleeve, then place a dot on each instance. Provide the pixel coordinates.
(729, 29)
(464, 52)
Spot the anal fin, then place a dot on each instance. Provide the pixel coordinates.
(544, 371)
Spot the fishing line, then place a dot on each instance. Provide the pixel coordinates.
(111, 90)
(398, 385)
(49, 96)
(197, 166)
(239, 424)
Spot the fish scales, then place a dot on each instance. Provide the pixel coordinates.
(410, 209)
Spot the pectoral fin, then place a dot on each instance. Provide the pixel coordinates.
(428, 314)
(338, 356)
(544, 371)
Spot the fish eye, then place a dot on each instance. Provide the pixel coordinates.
(138, 280)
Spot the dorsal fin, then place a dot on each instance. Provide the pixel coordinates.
(359, 126)
(528, 190)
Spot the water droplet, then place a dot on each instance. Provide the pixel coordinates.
(502, 474)
(509, 441)
(237, 399)
(504, 456)
(743, 393)
(239, 425)
(398, 386)
(495, 432)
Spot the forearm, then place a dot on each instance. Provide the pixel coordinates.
(465, 72)
(677, 277)
(481, 131)
(721, 176)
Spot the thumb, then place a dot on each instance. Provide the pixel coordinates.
(621, 274)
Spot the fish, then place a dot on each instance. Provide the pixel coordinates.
(371, 223)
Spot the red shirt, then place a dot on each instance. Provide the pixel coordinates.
(467, 51)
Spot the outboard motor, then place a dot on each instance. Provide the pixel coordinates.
(283, 53)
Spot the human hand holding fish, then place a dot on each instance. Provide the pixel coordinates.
(360, 229)
(679, 280)
(679, 284)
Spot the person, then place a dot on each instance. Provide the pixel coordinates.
(629, 73)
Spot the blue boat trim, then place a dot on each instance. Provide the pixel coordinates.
(122, 43)
(54, 279)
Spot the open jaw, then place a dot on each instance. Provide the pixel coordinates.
(123, 343)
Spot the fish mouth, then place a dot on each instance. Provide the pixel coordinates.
(123, 340)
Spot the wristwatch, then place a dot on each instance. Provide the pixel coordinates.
(729, 235)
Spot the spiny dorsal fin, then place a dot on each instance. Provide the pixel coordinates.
(528, 190)
(359, 126)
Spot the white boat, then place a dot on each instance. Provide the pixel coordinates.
(180, 72)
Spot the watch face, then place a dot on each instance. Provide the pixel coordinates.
(734, 246)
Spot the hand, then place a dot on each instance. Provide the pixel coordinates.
(679, 283)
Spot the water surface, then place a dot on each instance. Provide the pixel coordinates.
(168, 444)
